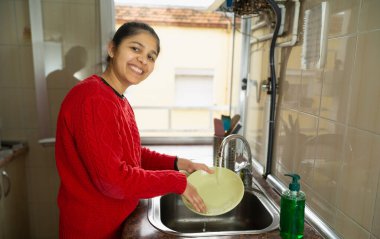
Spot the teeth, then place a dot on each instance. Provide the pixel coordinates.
(136, 69)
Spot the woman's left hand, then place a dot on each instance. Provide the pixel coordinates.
(189, 166)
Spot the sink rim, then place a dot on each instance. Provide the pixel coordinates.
(154, 217)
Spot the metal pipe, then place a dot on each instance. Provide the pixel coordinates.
(244, 72)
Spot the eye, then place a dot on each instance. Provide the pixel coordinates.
(152, 58)
(135, 49)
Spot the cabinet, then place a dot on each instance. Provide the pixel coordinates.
(14, 216)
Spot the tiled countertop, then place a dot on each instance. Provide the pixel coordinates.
(138, 226)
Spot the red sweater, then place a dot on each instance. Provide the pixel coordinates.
(104, 170)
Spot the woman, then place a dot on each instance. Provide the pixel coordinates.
(103, 168)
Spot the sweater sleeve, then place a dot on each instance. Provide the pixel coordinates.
(153, 160)
(99, 144)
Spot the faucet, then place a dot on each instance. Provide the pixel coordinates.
(245, 171)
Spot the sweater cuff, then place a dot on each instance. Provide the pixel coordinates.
(176, 163)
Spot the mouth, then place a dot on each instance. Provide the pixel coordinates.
(136, 69)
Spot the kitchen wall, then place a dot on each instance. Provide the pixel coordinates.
(66, 24)
(328, 118)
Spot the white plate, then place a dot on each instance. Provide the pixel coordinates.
(221, 191)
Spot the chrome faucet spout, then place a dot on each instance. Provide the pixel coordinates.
(222, 160)
(245, 172)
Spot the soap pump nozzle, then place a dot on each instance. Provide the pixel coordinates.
(294, 185)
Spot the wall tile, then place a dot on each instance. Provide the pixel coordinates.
(13, 134)
(349, 229)
(365, 92)
(328, 160)
(336, 78)
(290, 82)
(294, 152)
(22, 22)
(28, 108)
(80, 22)
(358, 178)
(11, 115)
(310, 94)
(25, 66)
(279, 171)
(376, 218)
(343, 17)
(9, 58)
(306, 147)
(52, 15)
(321, 207)
(285, 149)
(7, 23)
(369, 15)
(16, 62)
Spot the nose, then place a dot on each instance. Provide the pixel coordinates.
(142, 59)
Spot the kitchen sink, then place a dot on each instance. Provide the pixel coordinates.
(254, 215)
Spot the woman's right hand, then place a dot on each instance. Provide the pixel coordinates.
(194, 199)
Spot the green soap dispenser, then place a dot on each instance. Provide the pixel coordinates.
(292, 212)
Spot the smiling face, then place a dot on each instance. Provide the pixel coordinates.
(133, 60)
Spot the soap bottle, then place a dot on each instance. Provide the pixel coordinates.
(292, 212)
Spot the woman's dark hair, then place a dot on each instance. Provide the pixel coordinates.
(131, 29)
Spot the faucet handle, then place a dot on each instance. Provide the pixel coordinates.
(243, 165)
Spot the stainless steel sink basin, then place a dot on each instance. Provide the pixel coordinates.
(254, 215)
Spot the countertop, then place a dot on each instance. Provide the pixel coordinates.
(137, 224)
(10, 150)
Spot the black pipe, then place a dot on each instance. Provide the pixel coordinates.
(277, 12)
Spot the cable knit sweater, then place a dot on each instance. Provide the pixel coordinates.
(104, 170)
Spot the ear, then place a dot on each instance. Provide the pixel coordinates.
(111, 49)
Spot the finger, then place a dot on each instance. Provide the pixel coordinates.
(202, 207)
(207, 169)
(200, 204)
(198, 208)
(194, 202)
(196, 205)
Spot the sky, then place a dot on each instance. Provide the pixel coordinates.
(172, 3)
